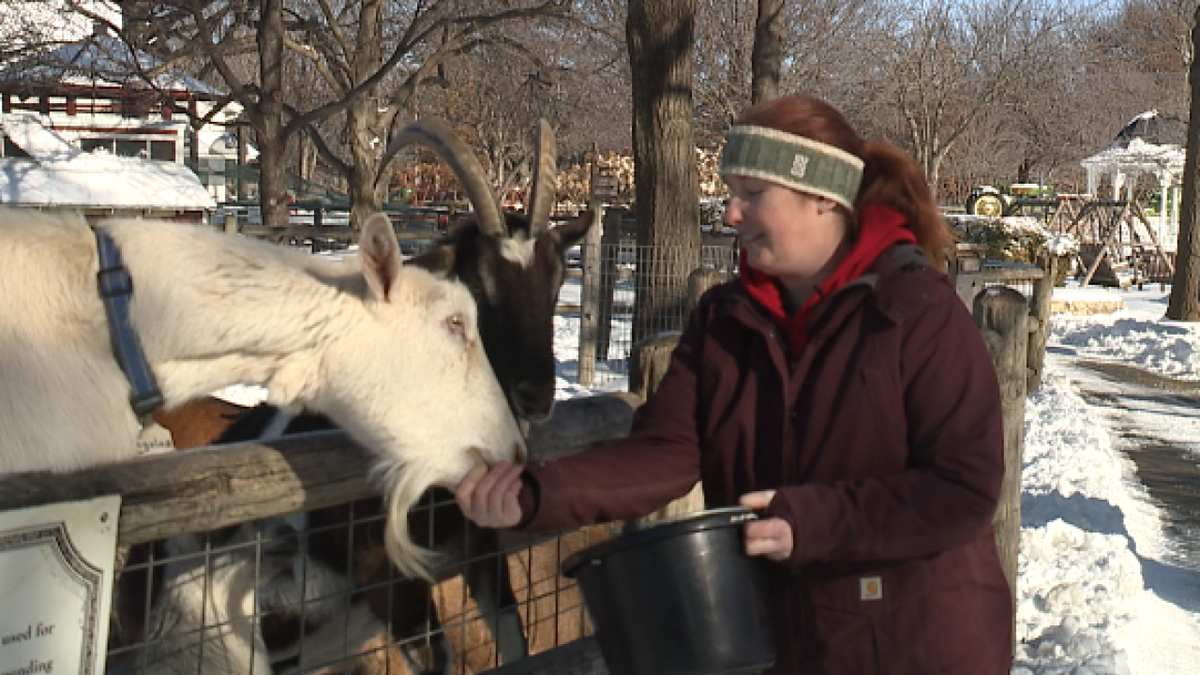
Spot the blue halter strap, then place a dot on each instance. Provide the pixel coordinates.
(116, 289)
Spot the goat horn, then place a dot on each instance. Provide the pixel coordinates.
(541, 192)
(441, 139)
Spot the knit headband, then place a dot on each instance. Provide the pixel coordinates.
(793, 161)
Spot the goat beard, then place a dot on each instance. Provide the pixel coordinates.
(405, 485)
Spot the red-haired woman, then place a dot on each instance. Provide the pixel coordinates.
(838, 385)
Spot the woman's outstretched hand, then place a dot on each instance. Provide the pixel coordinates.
(488, 496)
(768, 537)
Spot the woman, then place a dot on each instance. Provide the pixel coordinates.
(839, 386)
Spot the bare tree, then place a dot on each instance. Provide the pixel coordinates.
(1184, 304)
(722, 65)
(1099, 73)
(816, 44)
(504, 87)
(660, 34)
(369, 57)
(1048, 119)
(374, 71)
(1022, 89)
(767, 56)
(947, 61)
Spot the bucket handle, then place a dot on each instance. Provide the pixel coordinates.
(737, 515)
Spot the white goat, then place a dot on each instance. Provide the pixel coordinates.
(216, 589)
(206, 617)
(389, 352)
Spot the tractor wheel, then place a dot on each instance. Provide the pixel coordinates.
(986, 204)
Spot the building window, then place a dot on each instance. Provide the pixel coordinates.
(94, 144)
(162, 150)
(131, 148)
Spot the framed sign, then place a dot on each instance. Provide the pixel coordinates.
(56, 581)
(605, 186)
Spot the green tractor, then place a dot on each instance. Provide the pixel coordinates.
(992, 202)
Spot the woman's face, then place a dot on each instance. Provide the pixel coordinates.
(787, 234)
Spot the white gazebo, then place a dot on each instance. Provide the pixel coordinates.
(1148, 145)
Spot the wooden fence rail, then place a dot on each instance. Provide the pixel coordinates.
(203, 489)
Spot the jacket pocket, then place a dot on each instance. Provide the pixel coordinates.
(878, 621)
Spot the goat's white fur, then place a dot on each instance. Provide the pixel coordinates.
(390, 353)
(321, 595)
(206, 617)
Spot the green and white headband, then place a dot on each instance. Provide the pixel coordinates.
(793, 161)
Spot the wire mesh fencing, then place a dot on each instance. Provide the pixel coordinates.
(629, 292)
(315, 592)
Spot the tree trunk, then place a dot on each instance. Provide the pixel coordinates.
(365, 199)
(659, 35)
(268, 118)
(363, 117)
(766, 58)
(1185, 290)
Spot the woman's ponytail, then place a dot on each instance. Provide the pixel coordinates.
(891, 178)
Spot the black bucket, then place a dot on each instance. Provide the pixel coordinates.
(679, 597)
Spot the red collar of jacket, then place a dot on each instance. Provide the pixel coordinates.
(880, 227)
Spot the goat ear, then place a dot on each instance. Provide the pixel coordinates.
(572, 231)
(380, 254)
(439, 260)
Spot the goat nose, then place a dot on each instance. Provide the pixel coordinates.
(534, 401)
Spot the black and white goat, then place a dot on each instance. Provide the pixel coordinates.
(513, 265)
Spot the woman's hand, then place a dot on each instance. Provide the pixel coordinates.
(770, 537)
(488, 497)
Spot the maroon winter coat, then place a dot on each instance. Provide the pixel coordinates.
(884, 441)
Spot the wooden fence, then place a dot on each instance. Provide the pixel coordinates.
(205, 489)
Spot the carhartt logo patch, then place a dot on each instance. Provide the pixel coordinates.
(870, 588)
(799, 165)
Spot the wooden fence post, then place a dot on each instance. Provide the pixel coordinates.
(649, 358)
(1039, 319)
(1002, 315)
(648, 361)
(610, 248)
(589, 298)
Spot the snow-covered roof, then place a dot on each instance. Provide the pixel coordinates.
(57, 173)
(1149, 143)
(1139, 156)
(99, 59)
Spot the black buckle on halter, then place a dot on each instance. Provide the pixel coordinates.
(144, 402)
(114, 281)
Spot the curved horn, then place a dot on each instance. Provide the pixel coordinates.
(541, 191)
(441, 139)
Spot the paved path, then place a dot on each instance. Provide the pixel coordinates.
(1155, 421)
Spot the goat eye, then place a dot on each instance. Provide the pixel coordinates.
(457, 325)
